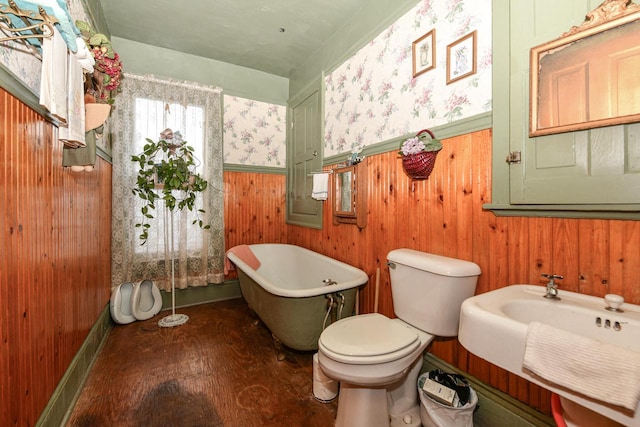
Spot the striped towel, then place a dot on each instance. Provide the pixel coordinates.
(598, 370)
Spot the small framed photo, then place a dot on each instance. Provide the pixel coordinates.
(461, 58)
(424, 53)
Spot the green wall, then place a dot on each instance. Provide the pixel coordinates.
(96, 16)
(363, 27)
(371, 20)
(140, 58)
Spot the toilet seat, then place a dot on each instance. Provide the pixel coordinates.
(368, 339)
(146, 300)
(120, 303)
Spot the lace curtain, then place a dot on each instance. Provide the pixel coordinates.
(145, 107)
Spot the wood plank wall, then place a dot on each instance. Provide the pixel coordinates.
(444, 215)
(54, 260)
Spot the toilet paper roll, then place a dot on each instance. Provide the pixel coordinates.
(324, 388)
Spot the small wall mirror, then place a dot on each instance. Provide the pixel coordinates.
(345, 191)
(350, 195)
(588, 77)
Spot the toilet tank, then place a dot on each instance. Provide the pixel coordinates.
(429, 289)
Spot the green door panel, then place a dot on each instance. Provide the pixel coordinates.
(591, 168)
(304, 157)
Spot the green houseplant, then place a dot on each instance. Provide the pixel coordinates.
(167, 173)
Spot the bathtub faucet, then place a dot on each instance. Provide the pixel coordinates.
(329, 282)
(340, 296)
(331, 303)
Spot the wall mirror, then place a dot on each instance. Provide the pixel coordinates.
(345, 192)
(588, 77)
(350, 195)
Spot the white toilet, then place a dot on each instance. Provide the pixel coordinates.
(376, 359)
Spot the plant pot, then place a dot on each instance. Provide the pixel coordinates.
(419, 165)
(95, 115)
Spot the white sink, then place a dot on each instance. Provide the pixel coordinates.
(494, 326)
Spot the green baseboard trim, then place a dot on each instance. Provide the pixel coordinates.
(495, 408)
(61, 403)
(203, 294)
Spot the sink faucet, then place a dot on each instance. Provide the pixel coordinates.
(552, 286)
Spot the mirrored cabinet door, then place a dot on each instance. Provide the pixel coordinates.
(350, 195)
(345, 192)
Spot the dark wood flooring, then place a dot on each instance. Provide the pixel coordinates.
(218, 369)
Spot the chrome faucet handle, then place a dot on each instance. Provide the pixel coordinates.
(552, 277)
(552, 286)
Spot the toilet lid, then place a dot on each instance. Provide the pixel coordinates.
(368, 335)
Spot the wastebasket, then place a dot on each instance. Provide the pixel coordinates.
(436, 414)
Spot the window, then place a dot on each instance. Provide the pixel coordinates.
(151, 118)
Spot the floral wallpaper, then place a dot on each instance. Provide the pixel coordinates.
(373, 96)
(18, 59)
(254, 132)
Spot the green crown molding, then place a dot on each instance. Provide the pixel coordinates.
(16, 87)
(231, 167)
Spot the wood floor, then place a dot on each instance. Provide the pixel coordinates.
(218, 369)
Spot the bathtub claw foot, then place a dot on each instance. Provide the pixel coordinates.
(279, 347)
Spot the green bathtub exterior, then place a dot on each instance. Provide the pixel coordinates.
(296, 322)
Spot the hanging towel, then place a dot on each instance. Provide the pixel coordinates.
(598, 370)
(83, 156)
(245, 254)
(84, 56)
(320, 189)
(53, 82)
(73, 134)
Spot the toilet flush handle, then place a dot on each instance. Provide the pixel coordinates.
(391, 265)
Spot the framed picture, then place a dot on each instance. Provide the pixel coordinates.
(424, 53)
(461, 58)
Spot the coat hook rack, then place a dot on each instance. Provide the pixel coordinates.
(36, 25)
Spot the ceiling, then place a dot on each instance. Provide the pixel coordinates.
(276, 37)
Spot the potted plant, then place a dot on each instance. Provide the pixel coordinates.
(419, 154)
(167, 173)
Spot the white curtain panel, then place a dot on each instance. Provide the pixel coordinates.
(146, 106)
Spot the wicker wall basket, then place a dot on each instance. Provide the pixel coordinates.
(420, 165)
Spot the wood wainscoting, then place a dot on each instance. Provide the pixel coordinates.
(444, 215)
(254, 209)
(55, 262)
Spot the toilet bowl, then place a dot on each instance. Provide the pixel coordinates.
(120, 303)
(377, 360)
(146, 300)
